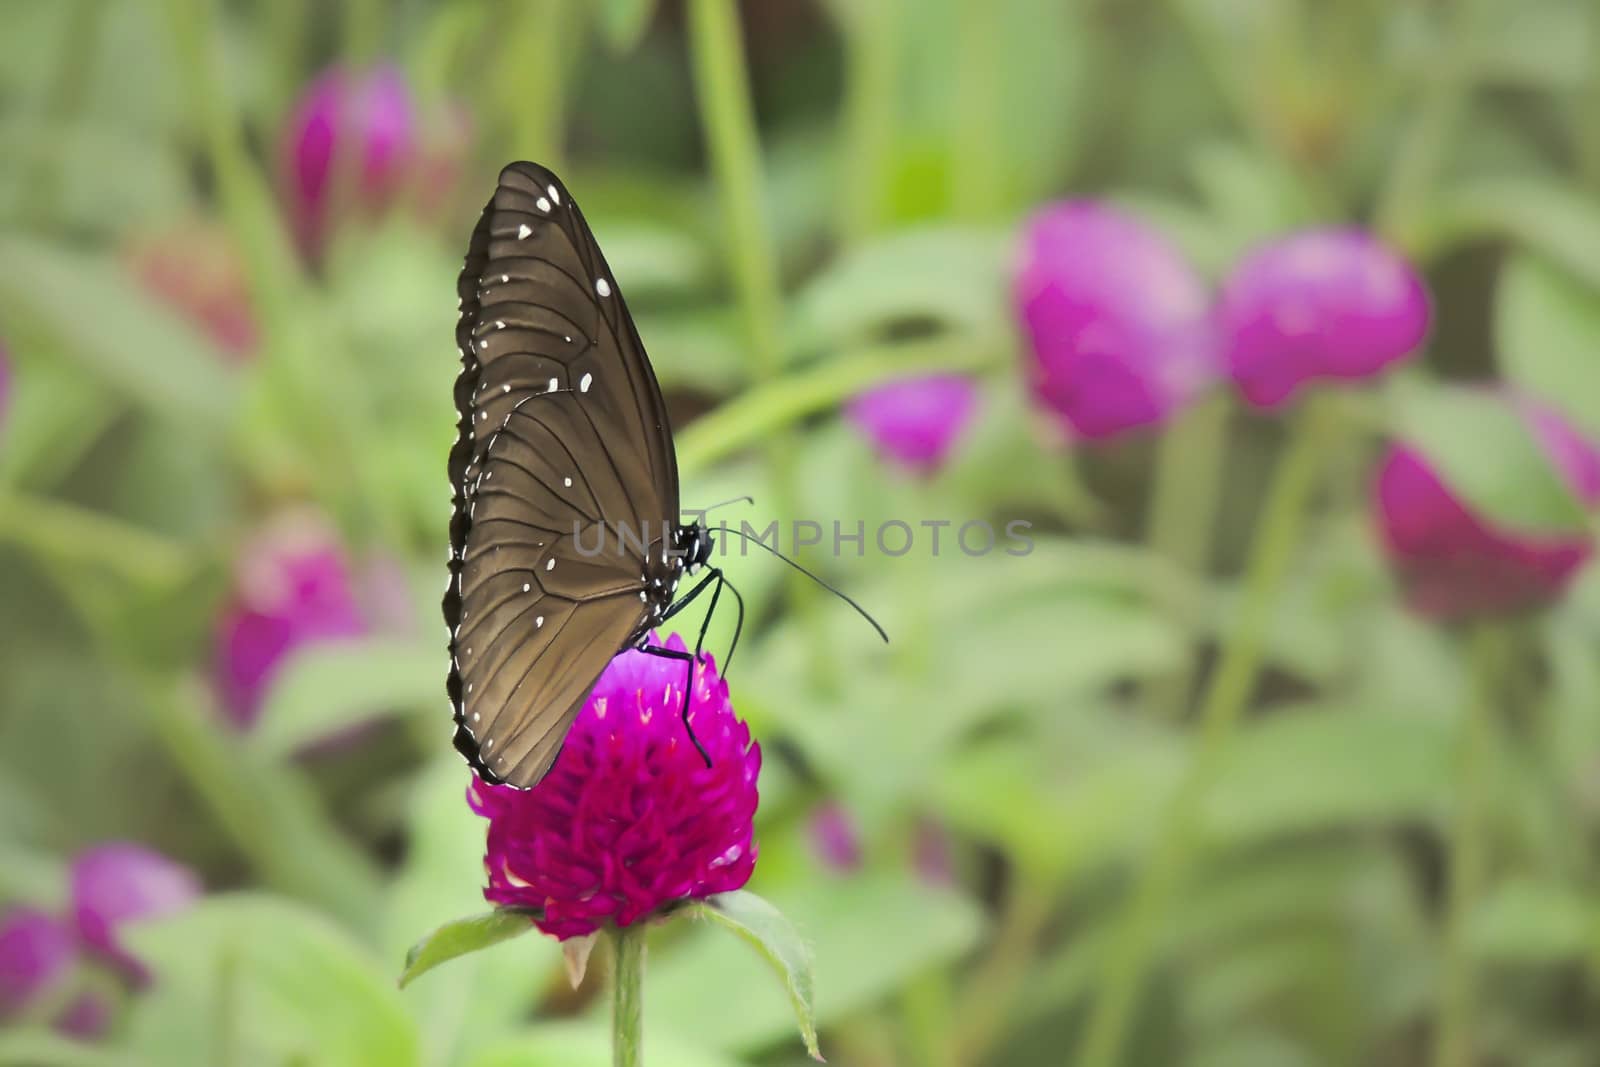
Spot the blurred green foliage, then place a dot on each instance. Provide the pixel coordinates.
(901, 145)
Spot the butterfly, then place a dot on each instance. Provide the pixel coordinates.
(563, 439)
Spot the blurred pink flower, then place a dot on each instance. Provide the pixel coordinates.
(293, 587)
(1453, 564)
(37, 955)
(119, 883)
(1320, 304)
(1118, 322)
(916, 421)
(930, 853)
(365, 123)
(629, 820)
(196, 271)
(834, 837)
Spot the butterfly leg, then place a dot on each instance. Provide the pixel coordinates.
(688, 690)
(705, 623)
(738, 626)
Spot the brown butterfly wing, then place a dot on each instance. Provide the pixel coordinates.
(563, 438)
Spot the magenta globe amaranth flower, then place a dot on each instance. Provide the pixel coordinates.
(350, 142)
(1117, 321)
(630, 819)
(293, 588)
(1322, 304)
(916, 421)
(1453, 564)
(118, 883)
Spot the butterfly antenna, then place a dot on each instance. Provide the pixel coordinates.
(703, 512)
(838, 593)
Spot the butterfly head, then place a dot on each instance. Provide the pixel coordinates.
(693, 545)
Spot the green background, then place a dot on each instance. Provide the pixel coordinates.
(1037, 709)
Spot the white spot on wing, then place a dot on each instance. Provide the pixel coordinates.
(544, 205)
(584, 382)
(553, 384)
(526, 587)
(567, 482)
(523, 231)
(553, 194)
(550, 564)
(602, 287)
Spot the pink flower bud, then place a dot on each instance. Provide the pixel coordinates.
(1453, 564)
(1118, 322)
(293, 588)
(196, 271)
(37, 954)
(118, 883)
(350, 143)
(915, 422)
(1322, 304)
(834, 837)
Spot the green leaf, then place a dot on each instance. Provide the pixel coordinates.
(461, 937)
(442, 874)
(868, 936)
(326, 688)
(588, 1044)
(31, 1048)
(1534, 922)
(252, 979)
(268, 809)
(1251, 196)
(623, 22)
(1327, 768)
(123, 338)
(950, 275)
(1542, 215)
(52, 418)
(1105, 785)
(769, 933)
(1485, 452)
(1547, 334)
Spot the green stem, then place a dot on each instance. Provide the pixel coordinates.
(722, 84)
(1182, 518)
(1453, 1037)
(872, 53)
(534, 76)
(760, 413)
(976, 156)
(363, 32)
(284, 29)
(1277, 534)
(79, 50)
(1586, 114)
(1220, 58)
(1399, 215)
(627, 995)
(991, 992)
(927, 1011)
